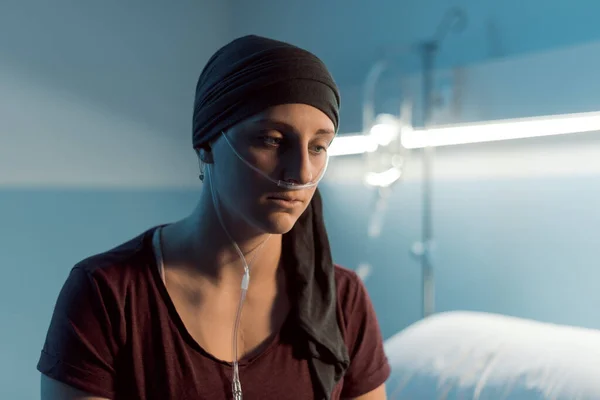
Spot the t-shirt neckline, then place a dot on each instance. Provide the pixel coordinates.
(158, 275)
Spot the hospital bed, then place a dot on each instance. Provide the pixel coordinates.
(481, 356)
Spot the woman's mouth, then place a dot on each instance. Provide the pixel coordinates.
(284, 201)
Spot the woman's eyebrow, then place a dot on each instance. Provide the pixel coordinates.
(325, 132)
(280, 124)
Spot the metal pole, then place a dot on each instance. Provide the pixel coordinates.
(428, 282)
(454, 20)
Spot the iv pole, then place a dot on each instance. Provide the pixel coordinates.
(454, 20)
(424, 249)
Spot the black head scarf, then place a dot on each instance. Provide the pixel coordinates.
(253, 73)
(240, 80)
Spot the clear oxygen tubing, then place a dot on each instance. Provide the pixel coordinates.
(278, 182)
(236, 386)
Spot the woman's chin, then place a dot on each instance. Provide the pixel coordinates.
(278, 223)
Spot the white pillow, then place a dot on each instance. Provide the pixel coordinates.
(469, 355)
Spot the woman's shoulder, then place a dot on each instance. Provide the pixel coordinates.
(120, 260)
(113, 273)
(369, 367)
(101, 285)
(352, 296)
(348, 283)
(90, 320)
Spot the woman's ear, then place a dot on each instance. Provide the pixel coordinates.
(205, 154)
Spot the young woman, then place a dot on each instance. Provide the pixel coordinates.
(240, 298)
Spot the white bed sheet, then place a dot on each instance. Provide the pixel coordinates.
(469, 355)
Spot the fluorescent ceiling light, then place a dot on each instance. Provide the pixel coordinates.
(384, 132)
(352, 144)
(490, 131)
(508, 129)
(383, 179)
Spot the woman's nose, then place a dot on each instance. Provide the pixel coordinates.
(298, 167)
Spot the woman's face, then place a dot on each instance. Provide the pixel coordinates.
(286, 142)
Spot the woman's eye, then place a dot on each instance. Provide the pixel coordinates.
(319, 149)
(271, 141)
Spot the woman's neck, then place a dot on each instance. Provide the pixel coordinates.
(199, 245)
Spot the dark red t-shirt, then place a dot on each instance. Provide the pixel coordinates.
(115, 333)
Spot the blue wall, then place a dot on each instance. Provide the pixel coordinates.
(351, 34)
(524, 247)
